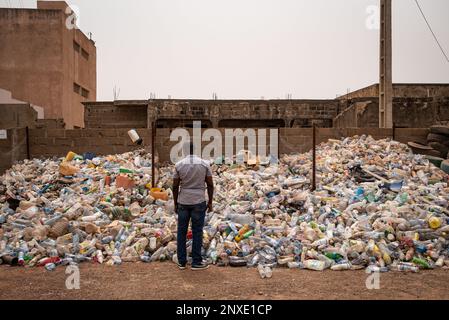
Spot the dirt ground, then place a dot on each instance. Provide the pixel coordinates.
(158, 281)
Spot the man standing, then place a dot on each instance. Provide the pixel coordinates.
(191, 175)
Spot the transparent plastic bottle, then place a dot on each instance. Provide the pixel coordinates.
(316, 265)
(50, 266)
(341, 266)
(268, 272)
(262, 271)
(407, 267)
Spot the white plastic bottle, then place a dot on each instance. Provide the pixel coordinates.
(268, 272)
(262, 271)
(341, 266)
(316, 265)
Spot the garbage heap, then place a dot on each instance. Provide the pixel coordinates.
(376, 206)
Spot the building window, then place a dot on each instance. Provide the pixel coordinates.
(76, 46)
(76, 88)
(85, 54)
(80, 90)
(85, 93)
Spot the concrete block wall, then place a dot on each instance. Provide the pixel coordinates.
(13, 148)
(234, 113)
(407, 112)
(50, 124)
(57, 142)
(113, 115)
(17, 116)
(402, 90)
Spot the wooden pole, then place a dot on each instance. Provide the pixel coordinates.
(314, 157)
(385, 70)
(153, 168)
(394, 131)
(27, 132)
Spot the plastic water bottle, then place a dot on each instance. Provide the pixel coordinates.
(320, 242)
(106, 240)
(254, 260)
(53, 253)
(341, 266)
(373, 268)
(157, 254)
(268, 272)
(230, 237)
(316, 265)
(99, 255)
(328, 262)
(120, 234)
(214, 256)
(53, 220)
(293, 264)
(407, 267)
(116, 260)
(233, 228)
(76, 243)
(246, 249)
(262, 271)
(50, 266)
(21, 260)
(65, 261)
(271, 241)
(153, 243)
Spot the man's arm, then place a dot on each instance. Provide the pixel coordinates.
(210, 192)
(176, 181)
(175, 192)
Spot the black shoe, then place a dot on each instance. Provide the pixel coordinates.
(201, 266)
(181, 266)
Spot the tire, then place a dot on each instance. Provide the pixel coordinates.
(436, 161)
(422, 149)
(435, 137)
(419, 146)
(440, 147)
(445, 166)
(444, 130)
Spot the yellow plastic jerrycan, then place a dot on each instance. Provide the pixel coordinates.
(434, 222)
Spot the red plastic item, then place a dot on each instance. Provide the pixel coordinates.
(189, 234)
(407, 242)
(49, 260)
(124, 182)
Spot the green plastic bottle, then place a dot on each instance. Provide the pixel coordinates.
(421, 262)
(370, 197)
(125, 170)
(248, 234)
(333, 255)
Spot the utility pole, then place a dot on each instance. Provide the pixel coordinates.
(385, 72)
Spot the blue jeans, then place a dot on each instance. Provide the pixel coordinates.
(196, 212)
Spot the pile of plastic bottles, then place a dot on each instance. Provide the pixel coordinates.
(376, 206)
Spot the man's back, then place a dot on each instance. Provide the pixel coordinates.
(192, 172)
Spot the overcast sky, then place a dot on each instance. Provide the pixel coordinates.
(254, 48)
